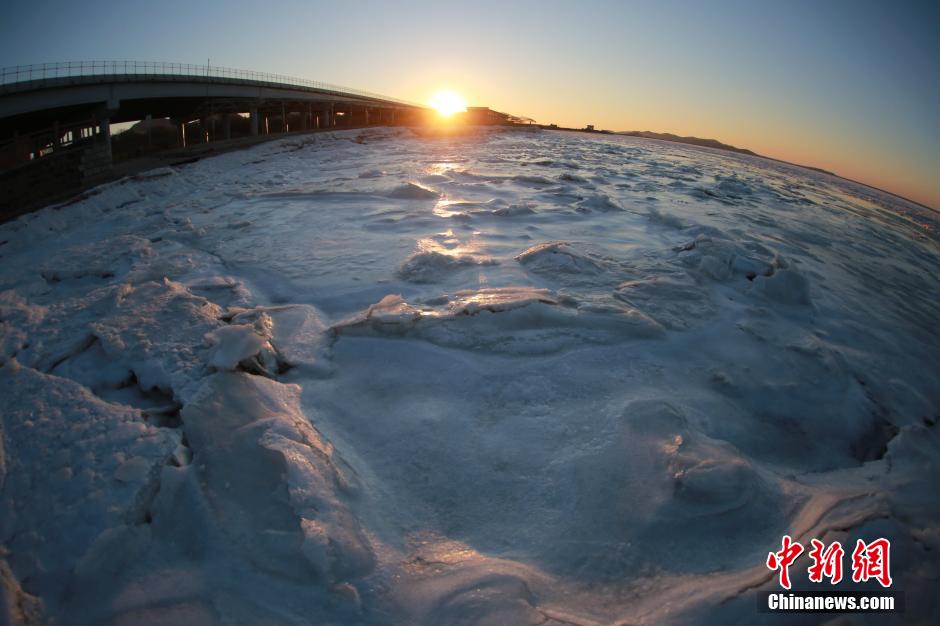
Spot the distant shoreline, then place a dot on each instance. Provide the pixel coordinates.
(717, 145)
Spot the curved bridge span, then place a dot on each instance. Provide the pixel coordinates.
(124, 90)
(61, 114)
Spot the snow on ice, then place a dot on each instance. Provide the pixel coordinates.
(511, 377)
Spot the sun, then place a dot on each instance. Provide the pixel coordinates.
(447, 102)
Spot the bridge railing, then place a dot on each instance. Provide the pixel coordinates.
(24, 75)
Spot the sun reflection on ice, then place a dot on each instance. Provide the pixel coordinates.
(443, 207)
(443, 168)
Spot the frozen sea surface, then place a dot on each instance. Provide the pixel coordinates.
(369, 377)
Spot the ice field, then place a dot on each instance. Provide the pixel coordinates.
(506, 377)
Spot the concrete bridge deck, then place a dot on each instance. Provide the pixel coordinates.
(50, 109)
(35, 97)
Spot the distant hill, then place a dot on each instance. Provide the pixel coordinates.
(712, 143)
(695, 141)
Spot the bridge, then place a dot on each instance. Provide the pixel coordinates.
(56, 119)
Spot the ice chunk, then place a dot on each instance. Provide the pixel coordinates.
(666, 219)
(495, 300)
(561, 257)
(134, 470)
(676, 302)
(572, 178)
(429, 265)
(598, 202)
(157, 331)
(221, 290)
(275, 482)
(786, 286)
(391, 311)
(712, 254)
(233, 344)
(298, 334)
(514, 210)
(74, 467)
(531, 180)
(93, 368)
(412, 191)
(104, 260)
(667, 485)
(710, 257)
(733, 187)
(514, 320)
(17, 318)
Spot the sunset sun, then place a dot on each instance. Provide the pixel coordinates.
(448, 102)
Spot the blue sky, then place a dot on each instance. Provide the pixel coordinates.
(850, 86)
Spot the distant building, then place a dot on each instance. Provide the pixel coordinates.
(589, 127)
(485, 116)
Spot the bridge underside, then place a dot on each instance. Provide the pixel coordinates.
(191, 108)
(30, 107)
(61, 129)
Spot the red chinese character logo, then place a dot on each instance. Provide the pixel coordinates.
(872, 560)
(782, 560)
(826, 563)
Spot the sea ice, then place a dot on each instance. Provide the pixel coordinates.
(376, 377)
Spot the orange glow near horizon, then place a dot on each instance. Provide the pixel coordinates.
(447, 102)
(873, 154)
(776, 133)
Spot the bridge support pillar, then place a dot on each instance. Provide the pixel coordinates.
(180, 132)
(149, 122)
(284, 127)
(253, 120)
(227, 125)
(104, 126)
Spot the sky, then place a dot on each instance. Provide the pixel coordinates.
(849, 86)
